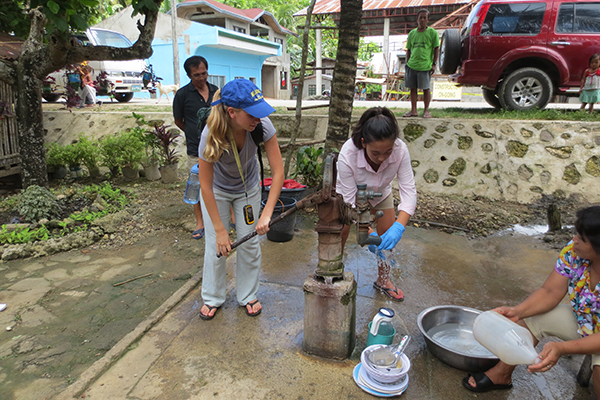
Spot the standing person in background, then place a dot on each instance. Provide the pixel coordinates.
(196, 95)
(229, 177)
(375, 155)
(589, 92)
(422, 49)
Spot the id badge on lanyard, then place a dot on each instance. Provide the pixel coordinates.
(248, 213)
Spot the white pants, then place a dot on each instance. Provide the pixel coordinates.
(248, 257)
(87, 91)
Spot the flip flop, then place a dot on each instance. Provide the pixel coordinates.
(409, 114)
(251, 304)
(426, 114)
(389, 291)
(483, 383)
(208, 317)
(198, 234)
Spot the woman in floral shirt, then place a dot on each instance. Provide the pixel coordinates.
(577, 272)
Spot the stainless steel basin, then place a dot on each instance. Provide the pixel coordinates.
(448, 331)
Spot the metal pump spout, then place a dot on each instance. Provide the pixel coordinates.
(364, 216)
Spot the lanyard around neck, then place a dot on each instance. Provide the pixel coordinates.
(237, 160)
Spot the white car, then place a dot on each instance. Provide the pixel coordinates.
(125, 76)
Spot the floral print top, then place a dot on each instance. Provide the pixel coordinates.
(585, 302)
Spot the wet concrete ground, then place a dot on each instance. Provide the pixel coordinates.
(235, 356)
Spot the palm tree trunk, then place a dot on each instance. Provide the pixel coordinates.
(344, 74)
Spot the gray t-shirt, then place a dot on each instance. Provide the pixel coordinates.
(226, 174)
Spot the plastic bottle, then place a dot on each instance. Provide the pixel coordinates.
(509, 341)
(192, 189)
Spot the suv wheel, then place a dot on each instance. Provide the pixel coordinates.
(490, 97)
(51, 97)
(525, 89)
(123, 97)
(450, 51)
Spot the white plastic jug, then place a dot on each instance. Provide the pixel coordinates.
(509, 341)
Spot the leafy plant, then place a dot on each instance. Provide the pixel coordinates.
(23, 235)
(167, 138)
(49, 84)
(116, 199)
(36, 203)
(109, 153)
(72, 155)
(122, 149)
(89, 152)
(104, 85)
(55, 155)
(151, 142)
(309, 166)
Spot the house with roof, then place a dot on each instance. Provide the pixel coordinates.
(236, 43)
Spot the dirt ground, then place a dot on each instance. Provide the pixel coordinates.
(79, 314)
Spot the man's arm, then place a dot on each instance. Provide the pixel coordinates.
(180, 124)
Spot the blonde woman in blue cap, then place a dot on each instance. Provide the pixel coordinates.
(229, 176)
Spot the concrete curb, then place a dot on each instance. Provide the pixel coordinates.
(102, 365)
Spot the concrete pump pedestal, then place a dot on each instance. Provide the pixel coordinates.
(330, 317)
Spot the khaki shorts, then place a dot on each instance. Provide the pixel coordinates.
(386, 204)
(559, 322)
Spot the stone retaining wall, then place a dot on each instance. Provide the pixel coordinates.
(499, 159)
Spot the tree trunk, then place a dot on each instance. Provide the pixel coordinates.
(344, 74)
(31, 128)
(38, 58)
(296, 131)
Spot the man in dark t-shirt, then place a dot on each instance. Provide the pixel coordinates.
(196, 95)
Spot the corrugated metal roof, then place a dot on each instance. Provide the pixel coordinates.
(333, 6)
(10, 46)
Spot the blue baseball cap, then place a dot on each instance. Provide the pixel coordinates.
(241, 93)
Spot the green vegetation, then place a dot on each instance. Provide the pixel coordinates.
(34, 203)
(309, 166)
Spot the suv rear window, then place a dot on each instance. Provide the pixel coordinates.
(515, 19)
(578, 18)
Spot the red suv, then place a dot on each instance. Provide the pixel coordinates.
(523, 52)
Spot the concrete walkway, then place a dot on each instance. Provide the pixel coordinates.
(235, 356)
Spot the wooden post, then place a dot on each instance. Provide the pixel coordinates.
(554, 222)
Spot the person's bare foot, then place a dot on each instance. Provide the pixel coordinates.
(208, 312)
(253, 308)
(390, 290)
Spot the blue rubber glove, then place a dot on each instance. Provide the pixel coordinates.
(392, 236)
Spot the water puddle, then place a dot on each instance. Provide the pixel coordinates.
(527, 230)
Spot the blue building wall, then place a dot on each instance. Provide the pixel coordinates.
(202, 41)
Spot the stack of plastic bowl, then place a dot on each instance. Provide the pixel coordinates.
(381, 381)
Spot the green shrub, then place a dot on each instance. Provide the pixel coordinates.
(36, 203)
(309, 166)
(55, 155)
(122, 149)
(90, 153)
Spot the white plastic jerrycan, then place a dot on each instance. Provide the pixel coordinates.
(509, 341)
